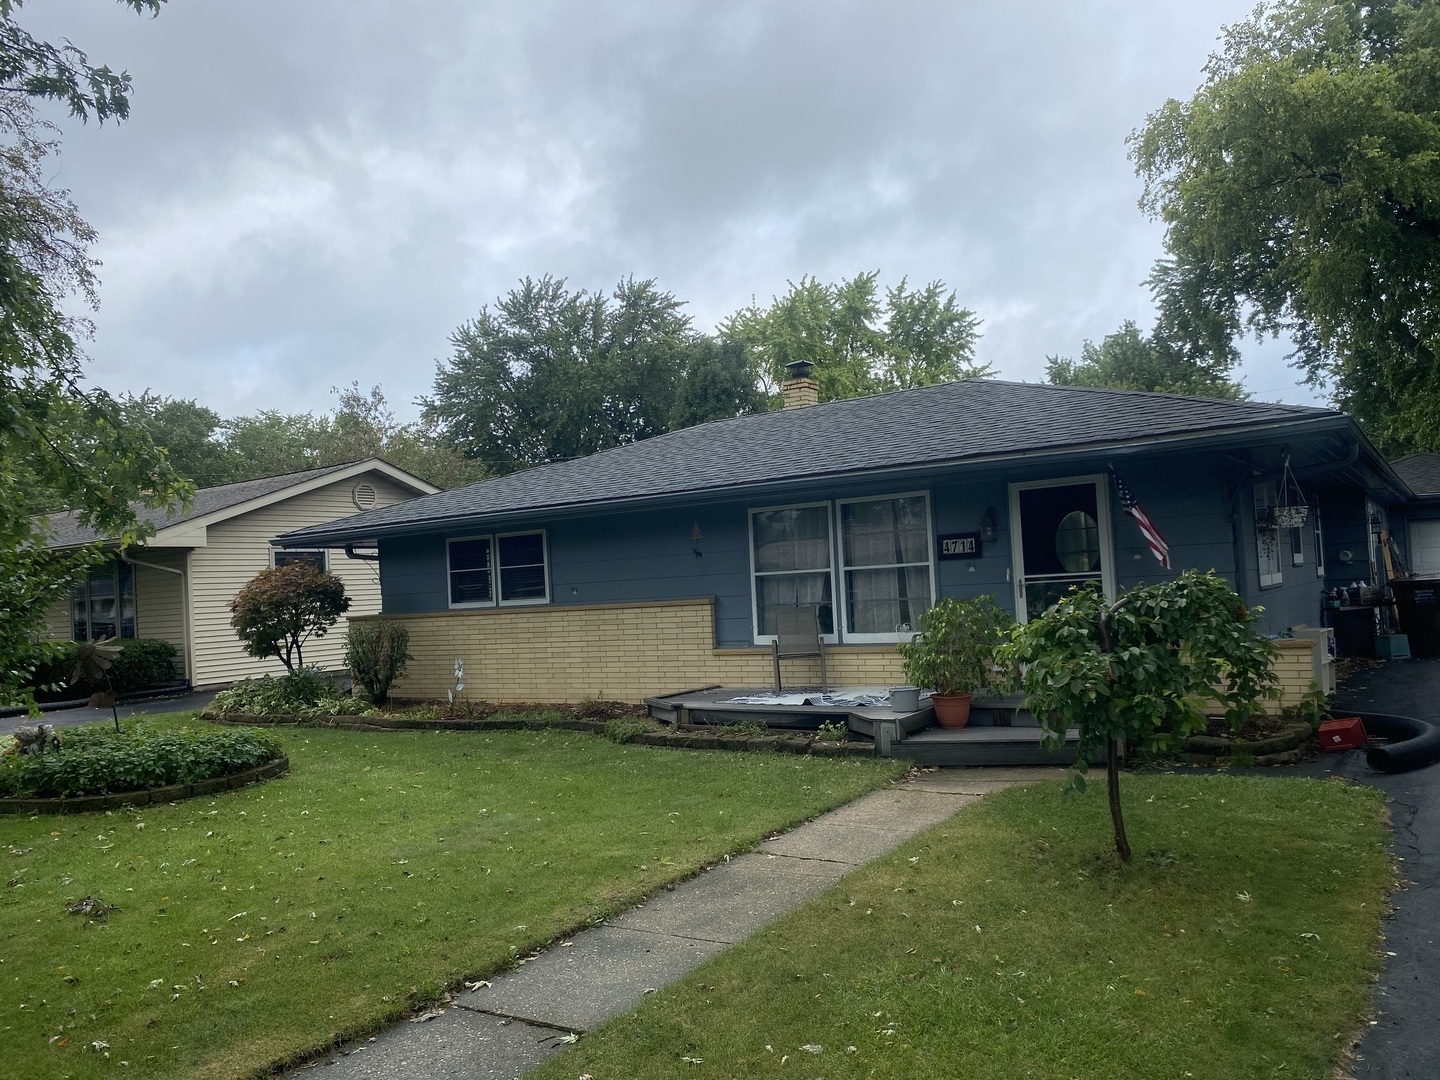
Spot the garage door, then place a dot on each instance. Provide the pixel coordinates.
(1425, 547)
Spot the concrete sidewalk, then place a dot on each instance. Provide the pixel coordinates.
(527, 1015)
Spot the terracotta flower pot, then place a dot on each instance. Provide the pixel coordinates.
(951, 710)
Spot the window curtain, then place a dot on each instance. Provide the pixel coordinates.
(886, 546)
(792, 563)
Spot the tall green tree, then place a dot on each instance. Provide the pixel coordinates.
(1300, 190)
(551, 373)
(211, 450)
(62, 441)
(1130, 360)
(719, 382)
(363, 426)
(191, 434)
(858, 343)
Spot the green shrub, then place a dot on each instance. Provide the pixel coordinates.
(98, 761)
(140, 664)
(143, 662)
(306, 693)
(376, 654)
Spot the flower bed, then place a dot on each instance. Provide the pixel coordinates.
(97, 763)
(616, 720)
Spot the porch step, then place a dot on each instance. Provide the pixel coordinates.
(984, 746)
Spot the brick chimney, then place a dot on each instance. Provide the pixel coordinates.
(799, 390)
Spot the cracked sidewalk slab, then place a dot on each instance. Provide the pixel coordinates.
(602, 973)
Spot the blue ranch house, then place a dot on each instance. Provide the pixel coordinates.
(659, 566)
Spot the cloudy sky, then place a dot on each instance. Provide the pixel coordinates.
(313, 192)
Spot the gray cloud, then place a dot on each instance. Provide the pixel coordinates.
(309, 193)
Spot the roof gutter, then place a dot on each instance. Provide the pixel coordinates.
(1219, 439)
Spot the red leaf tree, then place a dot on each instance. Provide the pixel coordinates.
(280, 609)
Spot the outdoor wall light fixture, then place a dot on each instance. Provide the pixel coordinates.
(989, 525)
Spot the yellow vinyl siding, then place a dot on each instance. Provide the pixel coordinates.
(160, 600)
(58, 626)
(239, 548)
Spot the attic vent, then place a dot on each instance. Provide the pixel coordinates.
(363, 496)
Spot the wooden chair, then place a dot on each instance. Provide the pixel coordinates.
(797, 636)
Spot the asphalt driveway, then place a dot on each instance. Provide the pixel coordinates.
(1404, 1042)
(72, 717)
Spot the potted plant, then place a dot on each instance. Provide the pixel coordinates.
(954, 654)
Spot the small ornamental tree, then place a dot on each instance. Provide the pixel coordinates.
(1139, 670)
(280, 609)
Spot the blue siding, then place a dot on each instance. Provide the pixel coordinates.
(412, 575)
(1342, 515)
(652, 555)
(1295, 601)
(959, 507)
(1188, 503)
(616, 558)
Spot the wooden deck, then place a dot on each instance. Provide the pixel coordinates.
(1000, 732)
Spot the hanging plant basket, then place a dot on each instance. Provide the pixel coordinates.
(1291, 517)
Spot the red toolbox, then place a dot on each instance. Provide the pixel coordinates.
(1346, 733)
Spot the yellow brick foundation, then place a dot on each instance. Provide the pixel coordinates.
(628, 652)
(621, 652)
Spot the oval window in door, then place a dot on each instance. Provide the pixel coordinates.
(1077, 542)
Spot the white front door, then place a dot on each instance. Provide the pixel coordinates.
(1060, 537)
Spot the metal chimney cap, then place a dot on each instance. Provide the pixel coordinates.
(799, 369)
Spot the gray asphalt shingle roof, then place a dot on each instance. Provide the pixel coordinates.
(1420, 471)
(955, 421)
(67, 531)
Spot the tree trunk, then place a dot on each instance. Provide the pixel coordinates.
(1112, 781)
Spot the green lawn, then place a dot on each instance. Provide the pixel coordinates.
(1009, 942)
(267, 922)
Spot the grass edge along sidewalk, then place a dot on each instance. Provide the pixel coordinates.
(1243, 941)
(267, 923)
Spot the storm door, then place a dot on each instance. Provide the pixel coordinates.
(1061, 538)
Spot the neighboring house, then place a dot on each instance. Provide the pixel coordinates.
(656, 567)
(178, 583)
(1421, 529)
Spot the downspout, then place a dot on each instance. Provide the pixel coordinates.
(351, 553)
(184, 608)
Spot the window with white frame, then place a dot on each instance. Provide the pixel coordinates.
(506, 569)
(310, 556)
(885, 555)
(1267, 536)
(1319, 538)
(790, 548)
(883, 558)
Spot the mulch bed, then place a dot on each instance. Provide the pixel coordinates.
(591, 716)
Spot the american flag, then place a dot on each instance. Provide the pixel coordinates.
(1131, 505)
